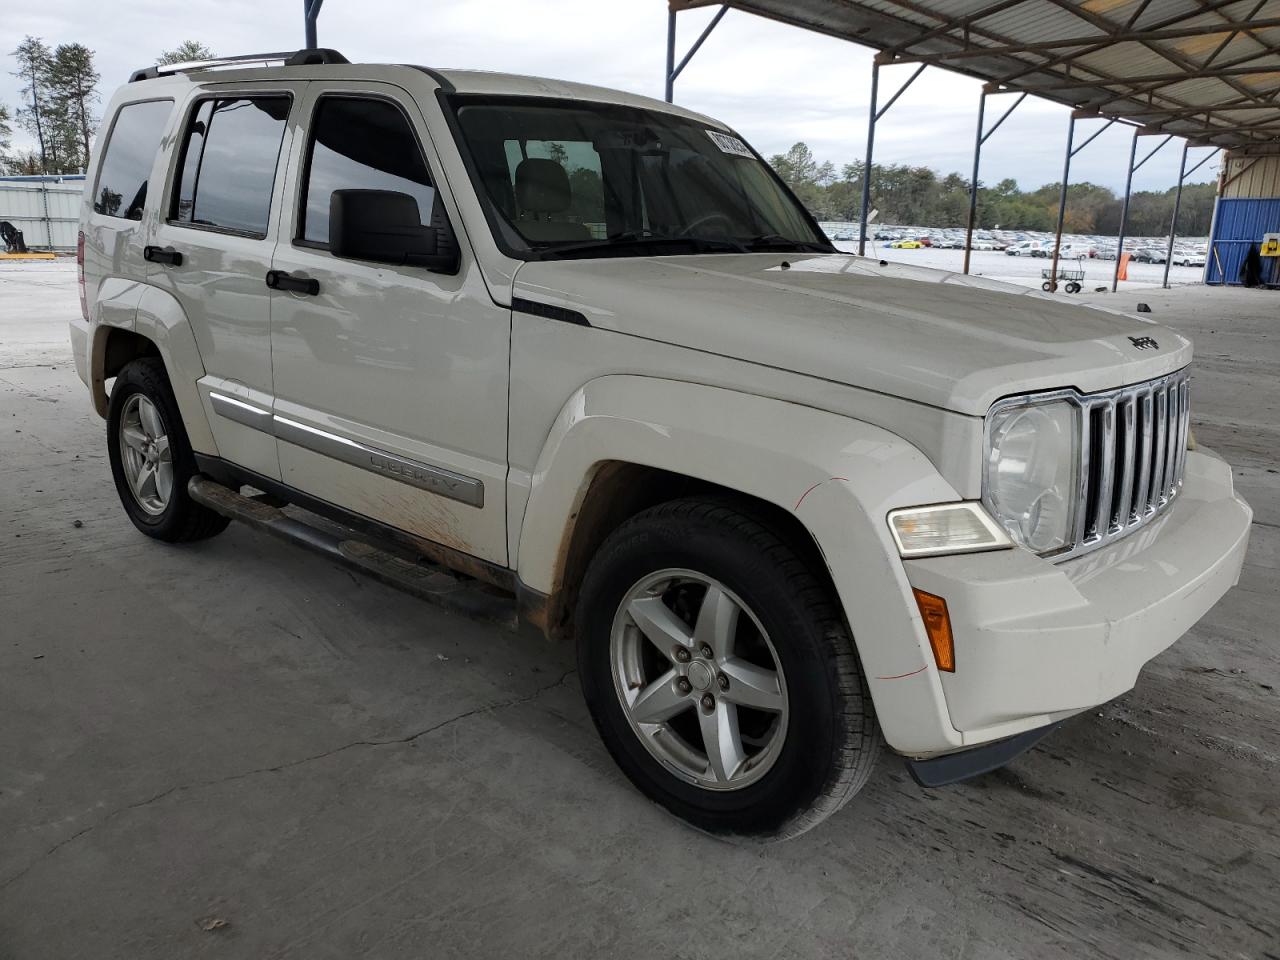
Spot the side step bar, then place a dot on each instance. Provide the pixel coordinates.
(422, 579)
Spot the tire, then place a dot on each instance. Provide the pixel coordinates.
(1047, 286)
(810, 757)
(161, 509)
(1073, 287)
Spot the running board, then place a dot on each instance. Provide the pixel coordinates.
(423, 579)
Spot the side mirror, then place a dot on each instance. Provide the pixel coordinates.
(385, 226)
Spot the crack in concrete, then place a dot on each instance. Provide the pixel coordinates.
(288, 765)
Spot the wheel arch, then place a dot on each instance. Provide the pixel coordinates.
(618, 490)
(834, 477)
(158, 328)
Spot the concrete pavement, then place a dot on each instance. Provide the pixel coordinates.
(239, 750)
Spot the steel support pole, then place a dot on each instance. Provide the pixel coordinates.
(671, 56)
(973, 183)
(48, 220)
(1173, 222)
(871, 146)
(675, 69)
(1124, 210)
(310, 13)
(1062, 202)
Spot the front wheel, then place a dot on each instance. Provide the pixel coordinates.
(1048, 286)
(720, 674)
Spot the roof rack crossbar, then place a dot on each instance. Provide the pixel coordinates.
(288, 58)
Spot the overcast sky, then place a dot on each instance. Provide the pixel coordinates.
(775, 84)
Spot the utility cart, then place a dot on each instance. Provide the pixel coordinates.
(1072, 278)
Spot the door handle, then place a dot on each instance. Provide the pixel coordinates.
(162, 255)
(280, 280)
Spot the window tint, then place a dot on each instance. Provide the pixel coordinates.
(361, 145)
(581, 164)
(556, 174)
(229, 163)
(126, 164)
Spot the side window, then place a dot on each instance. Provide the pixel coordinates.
(360, 145)
(229, 160)
(126, 162)
(584, 202)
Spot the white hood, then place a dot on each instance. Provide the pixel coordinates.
(939, 338)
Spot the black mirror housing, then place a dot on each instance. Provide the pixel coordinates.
(385, 226)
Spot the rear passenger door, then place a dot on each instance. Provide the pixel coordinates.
(212, 251)
(391, 381)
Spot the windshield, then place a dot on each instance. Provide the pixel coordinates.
(563, 179)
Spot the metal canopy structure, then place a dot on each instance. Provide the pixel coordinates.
(310, 13)
(1207, 71)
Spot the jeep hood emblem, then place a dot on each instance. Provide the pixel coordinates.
(1144, 343)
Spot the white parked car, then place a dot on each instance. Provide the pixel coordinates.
(588, 349)
(1028, 248)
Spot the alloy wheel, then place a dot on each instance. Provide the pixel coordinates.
(699, 679)
(145, 455)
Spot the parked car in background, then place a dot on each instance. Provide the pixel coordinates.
(787, 503)
(906, 245)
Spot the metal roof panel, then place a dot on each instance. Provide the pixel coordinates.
(1170, 63)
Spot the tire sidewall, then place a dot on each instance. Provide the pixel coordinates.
(146, 377)
(805, 765)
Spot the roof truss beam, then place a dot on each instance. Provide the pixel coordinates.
(1229, 27)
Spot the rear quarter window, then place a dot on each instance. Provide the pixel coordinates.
(130, 151)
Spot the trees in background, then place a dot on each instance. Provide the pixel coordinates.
(906, 194)
(185, 52)
(75, 92)
(59, 94)
(33, 70)
(6, 131)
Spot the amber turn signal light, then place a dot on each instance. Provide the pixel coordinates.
(937, 624)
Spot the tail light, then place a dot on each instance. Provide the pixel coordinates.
(84, 303)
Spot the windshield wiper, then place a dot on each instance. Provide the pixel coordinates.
(775, 241)
(646, 242)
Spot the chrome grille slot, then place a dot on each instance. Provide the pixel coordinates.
(1132, 457)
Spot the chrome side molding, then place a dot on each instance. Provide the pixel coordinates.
(241, 412)
(424, 476)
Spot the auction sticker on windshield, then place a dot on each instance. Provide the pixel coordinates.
(732, 145)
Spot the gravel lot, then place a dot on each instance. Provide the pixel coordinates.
(1026, 270)
(239, 750)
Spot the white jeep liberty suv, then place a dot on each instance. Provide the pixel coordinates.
(587, 348)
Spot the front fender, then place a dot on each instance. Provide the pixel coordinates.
(840, 477)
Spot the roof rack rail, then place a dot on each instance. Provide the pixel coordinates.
(295, 58)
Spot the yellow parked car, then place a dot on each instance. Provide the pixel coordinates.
(906, 245)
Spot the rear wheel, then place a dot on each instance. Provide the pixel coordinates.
(1048, 286)
(720, 674)
(151, 458)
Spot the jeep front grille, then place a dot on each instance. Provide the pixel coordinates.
(1133, 452)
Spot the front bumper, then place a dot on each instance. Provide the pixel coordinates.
(1036, 642)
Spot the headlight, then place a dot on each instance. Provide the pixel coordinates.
(1032, 470)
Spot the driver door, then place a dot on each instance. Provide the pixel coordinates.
(390, 381)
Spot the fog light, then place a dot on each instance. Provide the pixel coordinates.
(945, 528)
(937, 625)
